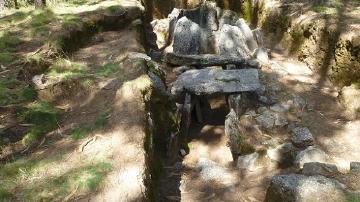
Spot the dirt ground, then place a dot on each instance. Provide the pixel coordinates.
(334, 133)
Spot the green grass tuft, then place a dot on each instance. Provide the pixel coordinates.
(8, 41)
(108, 69)
(5, 196)
(80, 133)
(6, 58)
(101, 120)
(65, 69)
(41, 17)
(13, 91)
(43, 116)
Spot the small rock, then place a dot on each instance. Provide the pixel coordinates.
(302, 137)
(316, 168)
(301, 188)
(183, 152)
(251, 113)
(264, 99)
(299, 102)
(266, 120)
(249, 162)
(211, 171)
(310, 154)
(284, 153)
(355, 166)
(280, 120)
(261, 54)
(284, 107)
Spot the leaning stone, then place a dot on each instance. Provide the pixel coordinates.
(186, 37)
(302, 137)
(248, 34)
(261, 54)
(310, 154)
(239, 102)
(316, 168)
(233, 133)
(211, 81)
(355, 166)
(258, 36)
(300, 188)
(232, 42)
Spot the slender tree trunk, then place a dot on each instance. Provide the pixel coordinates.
(2, 7)
(16, 4)
(40, 3)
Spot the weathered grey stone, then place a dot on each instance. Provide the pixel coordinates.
(247, 33)
(206, 60)
(186, 37)
(181, 69)
(280, 120)
(280, 108)
(226, 17)
(231, 42)
(302, 137)
(300, 188)
(355, 166)
(310, 154)
(269, 119)
(210, 81)
(299, 102)
(248, 162)
(261, 54)
(211, 171)
(258, 36)
(233, 133)
(316, 168)
(266, 120)
(239, 102)
(284, 153)
(208, 15)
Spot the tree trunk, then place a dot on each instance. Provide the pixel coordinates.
(2, 7)
(40, 3)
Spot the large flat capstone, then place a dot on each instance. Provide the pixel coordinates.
(211, 81)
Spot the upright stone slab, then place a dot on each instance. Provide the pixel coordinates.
(248, 34)
(186, 37)
(232, 42)
(208, 16)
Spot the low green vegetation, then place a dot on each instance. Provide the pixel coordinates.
(80, 133)
(13, 91)
(43, 180)
(65, 69)
(44, 118)
(108, 69)
(101, 120)
(8, 41)
(6, 58)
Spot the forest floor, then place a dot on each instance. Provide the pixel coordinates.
(84, 152)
